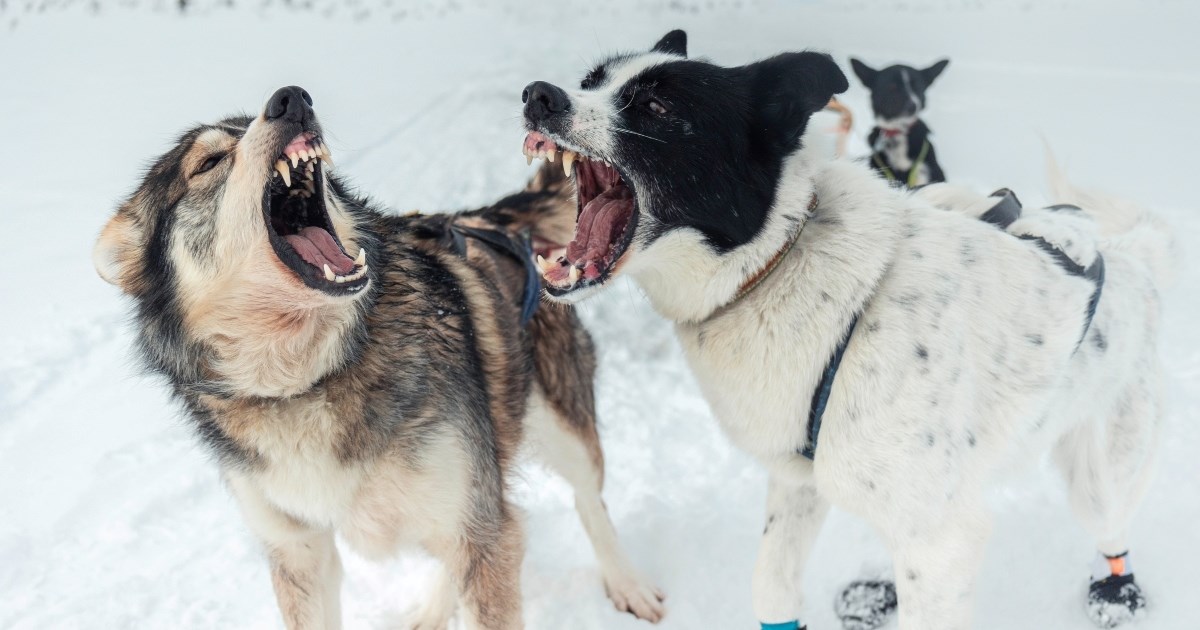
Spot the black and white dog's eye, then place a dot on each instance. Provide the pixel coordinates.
(209, 164)
(656, 106)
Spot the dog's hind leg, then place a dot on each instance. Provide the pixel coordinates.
(306, 571)
(439, 607)
(572, 449)
(795, 513)
(1107, 468)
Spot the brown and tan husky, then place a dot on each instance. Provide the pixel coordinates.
(362, 373)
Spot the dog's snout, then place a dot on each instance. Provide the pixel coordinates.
(544, 99)
(291, 103)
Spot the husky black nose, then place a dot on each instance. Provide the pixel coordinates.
(291, 103)
(544, 99)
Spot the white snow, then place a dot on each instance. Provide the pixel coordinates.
(112, 516)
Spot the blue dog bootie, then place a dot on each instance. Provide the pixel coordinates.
(783, 625)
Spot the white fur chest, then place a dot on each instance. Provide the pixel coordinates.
(301, 473)
(756, 384)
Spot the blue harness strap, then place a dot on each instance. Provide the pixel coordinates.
(785, 625)
(821, 396)
(518, 247)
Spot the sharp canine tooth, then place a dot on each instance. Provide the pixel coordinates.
(328, 273)
(550, 154)
(286, 174)
(528, 159)
(568, 162)
(576, 272)
(361, 261)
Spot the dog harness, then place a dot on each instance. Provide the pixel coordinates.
(1008, 209)
(518, 247)
(913, 173)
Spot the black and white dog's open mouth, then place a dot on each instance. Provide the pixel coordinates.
(298, 223)
(604, 227)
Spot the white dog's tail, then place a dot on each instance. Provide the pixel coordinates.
(1123, 225)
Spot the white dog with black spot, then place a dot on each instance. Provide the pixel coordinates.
(887, 352)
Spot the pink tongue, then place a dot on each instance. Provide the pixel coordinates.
(536, 141)
(318, 248)
(599, 224)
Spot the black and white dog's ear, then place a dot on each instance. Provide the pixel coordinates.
(932, 72)
(673, 43)
(786, 90)
(865, 73)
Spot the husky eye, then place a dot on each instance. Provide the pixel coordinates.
(656, 106)
(209, 164)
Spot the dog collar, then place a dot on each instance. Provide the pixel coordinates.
(889, 132)
(751, 283)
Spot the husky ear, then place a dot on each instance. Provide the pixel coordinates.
(786, 90)
(673, 43)
(113, 253)
(932, 72)
(865, 73)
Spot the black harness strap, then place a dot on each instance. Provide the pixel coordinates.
(518, 247)
(1005, 212)
(820, 399)
(1008, 210)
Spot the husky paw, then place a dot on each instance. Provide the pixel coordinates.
(1114, 601)
(635, 596)
(866, 604)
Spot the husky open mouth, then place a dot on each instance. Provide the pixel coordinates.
(298, 222)
(604, 227)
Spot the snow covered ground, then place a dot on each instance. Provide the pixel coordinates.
(111, 516)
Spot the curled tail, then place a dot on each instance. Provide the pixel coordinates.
(1123, 225)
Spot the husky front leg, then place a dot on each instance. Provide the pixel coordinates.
(795, 513)
(306, 571)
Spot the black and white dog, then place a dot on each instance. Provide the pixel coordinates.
(900, 146)
(884, 351)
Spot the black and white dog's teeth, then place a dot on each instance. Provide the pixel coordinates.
(866, 604)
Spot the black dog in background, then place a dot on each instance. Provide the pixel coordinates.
(900, 145)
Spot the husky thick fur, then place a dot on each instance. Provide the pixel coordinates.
(967, 346)
(360, 373)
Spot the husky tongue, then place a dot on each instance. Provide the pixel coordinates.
(600, 223)
(318, 248)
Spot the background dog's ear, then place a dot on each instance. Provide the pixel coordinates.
(865, 73)
(673, 43)
(786, 90)
(932, 72)
(114, 252)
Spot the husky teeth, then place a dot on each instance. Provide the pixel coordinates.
(568, 162)
(361, 261)
(576, 273)
(284, 172)
(550, 155)
(544, 265)
(295, 158)
(528, 159)
(328, 273)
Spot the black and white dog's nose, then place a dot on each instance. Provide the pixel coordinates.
(544, 99)
(291, 103)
